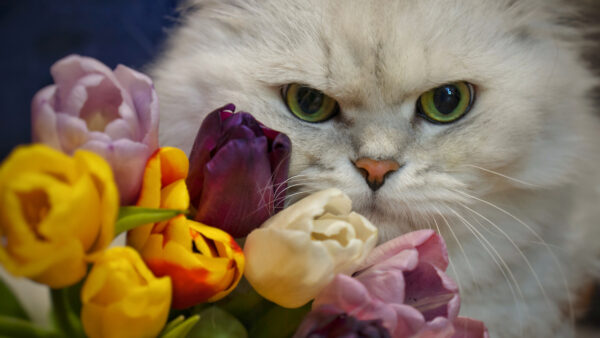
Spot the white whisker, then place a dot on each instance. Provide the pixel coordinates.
(500, 263)
(546, 245)
(502, 175)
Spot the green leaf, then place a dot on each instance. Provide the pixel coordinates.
(217, 323)
(9, 304)
(245, 303)
(179, 328)
(65, 317)
(132, 217)
(16, 327)
(279, 322)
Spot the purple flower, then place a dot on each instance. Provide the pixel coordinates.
(403, 283)
(328, 321)
(112, 113)
(238, 170)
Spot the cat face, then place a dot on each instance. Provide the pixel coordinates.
(376, 59)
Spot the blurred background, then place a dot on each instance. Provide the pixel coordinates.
(36, 33)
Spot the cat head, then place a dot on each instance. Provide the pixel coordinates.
(524, 119)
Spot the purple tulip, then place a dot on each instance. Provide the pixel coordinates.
(238, 171)
(327, 321)
(403, 283)
(112, 113)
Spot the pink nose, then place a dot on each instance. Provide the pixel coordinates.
(375, 171)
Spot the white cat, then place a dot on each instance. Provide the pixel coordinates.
(484, 106)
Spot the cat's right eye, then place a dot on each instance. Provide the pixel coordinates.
(309, 104)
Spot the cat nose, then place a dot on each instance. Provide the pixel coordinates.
(375, 171)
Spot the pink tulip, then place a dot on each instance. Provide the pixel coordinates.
(403, 283)
(112, 113)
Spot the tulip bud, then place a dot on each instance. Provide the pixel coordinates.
(112, 113)
(238, 170)
(122, 298)
(298, 251)
(55, 211)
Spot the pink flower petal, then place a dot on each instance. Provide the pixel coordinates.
(127, 159)
(69, 70)
(349, 295)
(438, 328)
(409, 320)
(72, 102)
(385, 281)
(430, 245)
(72, 132)
(469, 328)
(144, 101)
(432, 292)
(43, 118)
(119, 129)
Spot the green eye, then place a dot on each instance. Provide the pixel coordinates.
(309, 104)
(447, 103)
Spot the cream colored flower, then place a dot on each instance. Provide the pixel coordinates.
(298, 251)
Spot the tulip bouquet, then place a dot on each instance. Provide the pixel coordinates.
(311, 269)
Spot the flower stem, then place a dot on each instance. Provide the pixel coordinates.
(16, 327)
(67, 320)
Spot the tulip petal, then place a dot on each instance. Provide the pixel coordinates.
(72, 132)
(240, 171)
(430, 291)
(281, 265)
(122, 298)
(69, 70)
(43, 118)
(204, 144)
(408, 320)
(431, 247)
(469, 328)
(439, 327)
(385, 281)
(350, 296)
(119, 129)
(127, 159)
(144, 100)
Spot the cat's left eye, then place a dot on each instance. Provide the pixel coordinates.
(447, 103)
(309, 104)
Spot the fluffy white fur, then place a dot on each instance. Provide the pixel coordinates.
(513, 186)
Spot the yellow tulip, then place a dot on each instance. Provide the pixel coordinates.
(122, 298)
(204, 263)
(55, 211)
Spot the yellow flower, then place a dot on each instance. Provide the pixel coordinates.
(55, 211)
(122, 298)
(204, 263)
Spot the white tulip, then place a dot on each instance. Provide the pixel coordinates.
(297, 252)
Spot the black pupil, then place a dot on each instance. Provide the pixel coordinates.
(446, 99)
(309, 100)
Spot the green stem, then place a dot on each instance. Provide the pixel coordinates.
(67, 320)
(15, 327)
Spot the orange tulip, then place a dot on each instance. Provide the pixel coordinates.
(204, 263)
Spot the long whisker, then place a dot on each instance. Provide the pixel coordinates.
(500, 263)
(501, 175)
(544, 243)
(460, 246)
(452, 265)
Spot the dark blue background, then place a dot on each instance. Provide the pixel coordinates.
(36, 33)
